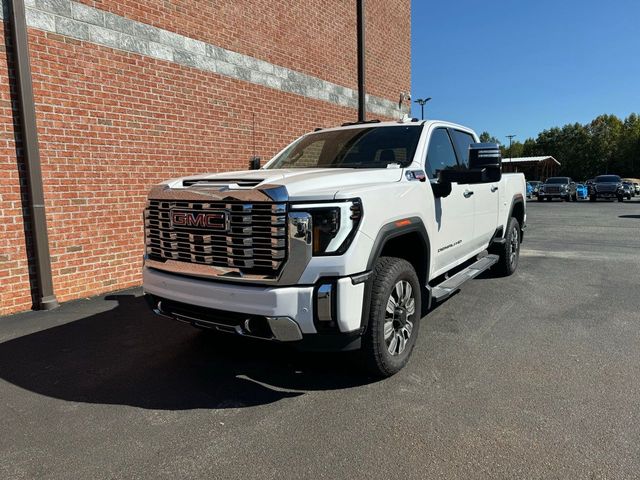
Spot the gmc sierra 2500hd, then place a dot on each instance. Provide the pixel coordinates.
(338, 242)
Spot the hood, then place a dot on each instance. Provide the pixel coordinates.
(301, 183)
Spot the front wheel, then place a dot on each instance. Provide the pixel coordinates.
(509, 251)
(394, 317)
(620, 199)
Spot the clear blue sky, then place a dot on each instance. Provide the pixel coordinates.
(523, 66)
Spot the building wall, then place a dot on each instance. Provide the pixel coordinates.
(129, 93)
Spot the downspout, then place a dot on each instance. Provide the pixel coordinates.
(45, 299)
(362, 100)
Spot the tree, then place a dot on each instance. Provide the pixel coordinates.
(607, 144)
(486, 137)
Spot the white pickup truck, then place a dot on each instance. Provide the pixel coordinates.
(342, 241)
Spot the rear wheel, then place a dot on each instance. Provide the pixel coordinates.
(509, 251)
(394, 317)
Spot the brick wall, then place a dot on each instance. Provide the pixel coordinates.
(111, 123)
(312, 36)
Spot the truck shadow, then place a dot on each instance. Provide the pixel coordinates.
(128, 356)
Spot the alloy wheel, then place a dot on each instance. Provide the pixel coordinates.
(398, 320)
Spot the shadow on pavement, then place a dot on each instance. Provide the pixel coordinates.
(128, 356)
(629, 216)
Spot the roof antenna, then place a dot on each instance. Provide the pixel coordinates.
(254, 163)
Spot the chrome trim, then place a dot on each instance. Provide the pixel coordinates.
(324, 302)
(220, 193)
(284, 329)
(299, 236)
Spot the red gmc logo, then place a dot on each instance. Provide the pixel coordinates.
(204, 220)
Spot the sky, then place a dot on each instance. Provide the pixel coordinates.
(519, 67)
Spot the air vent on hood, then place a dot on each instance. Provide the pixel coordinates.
(208, 182)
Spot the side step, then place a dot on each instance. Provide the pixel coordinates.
(451, 284)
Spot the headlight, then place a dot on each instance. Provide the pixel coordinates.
(333, 224)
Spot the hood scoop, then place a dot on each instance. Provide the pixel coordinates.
(226, 182)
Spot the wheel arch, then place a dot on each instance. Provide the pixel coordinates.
(393, 240)
(518, 211)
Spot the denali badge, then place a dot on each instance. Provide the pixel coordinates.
(212, 220)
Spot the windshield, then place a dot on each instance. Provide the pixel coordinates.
(558, 180)
(373, 147)
(608, 179)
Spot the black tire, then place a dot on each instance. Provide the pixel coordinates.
(620, 199)
(540, 198)
(507, 264)
(377, 357)
(568, 198)
(575, 197)
(592, 198)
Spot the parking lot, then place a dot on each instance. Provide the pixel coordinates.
(532, 376)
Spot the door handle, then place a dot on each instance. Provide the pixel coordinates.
(494, 188)
(467, 193)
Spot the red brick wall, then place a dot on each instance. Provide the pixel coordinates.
(317, 37)
(14, 267)
(111, 124)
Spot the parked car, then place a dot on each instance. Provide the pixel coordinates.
(582, 192)
(535, 188)
(607, 186)
(338, 241)
(558, 187)
(635, 182)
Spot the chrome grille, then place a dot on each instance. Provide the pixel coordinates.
(255, 241)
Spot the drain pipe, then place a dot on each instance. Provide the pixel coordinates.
(45, 299)
(362, 98)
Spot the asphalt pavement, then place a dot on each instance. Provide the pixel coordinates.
(532, 376)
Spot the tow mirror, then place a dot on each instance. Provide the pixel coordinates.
(254, 163)
(486, 160)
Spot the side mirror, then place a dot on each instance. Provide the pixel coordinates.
(486, 159)
(254, 163)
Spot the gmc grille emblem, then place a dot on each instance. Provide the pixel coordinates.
(204, 220)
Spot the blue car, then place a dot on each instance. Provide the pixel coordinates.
(582, 192)
(529, 190)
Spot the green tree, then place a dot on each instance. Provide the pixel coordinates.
(486, 137)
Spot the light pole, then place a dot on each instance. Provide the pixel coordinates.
(421, 102)
(510, 137)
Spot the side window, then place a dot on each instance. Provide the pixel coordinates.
(440, 155)
(462, 140)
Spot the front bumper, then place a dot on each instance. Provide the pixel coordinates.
(287, 314)
(553, 195)
(607, 194)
